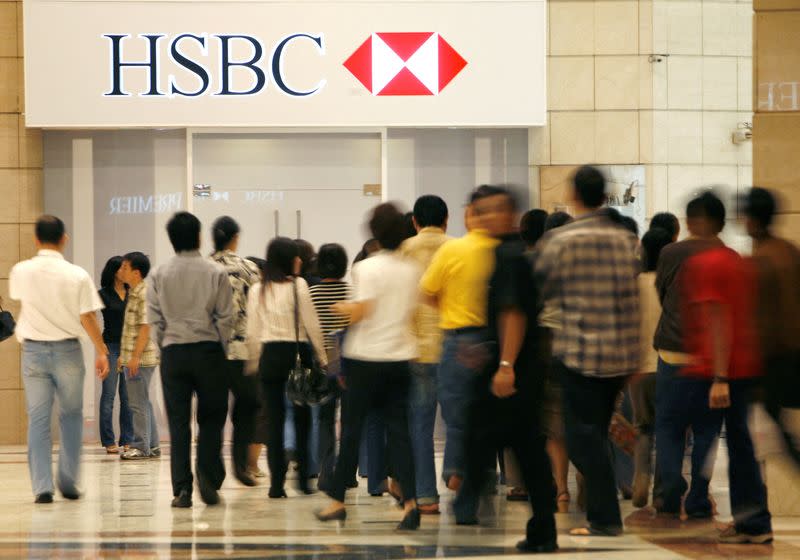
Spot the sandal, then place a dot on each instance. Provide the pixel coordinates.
(562, 502)
(112, 449)
(517, 494)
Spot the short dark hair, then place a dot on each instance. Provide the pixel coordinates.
(590, 186)
(184, 232)
(223, 232)
(531, 226)
(487, 191)
(430, 211)
(388, 226)
(556, 220)
(666, 221)
(760, 206)
(110, 270)
(652, 243)
(49, 229)
(708, 206)
(630, 224)
(138, 261)
(332, 261)
(307, 254)
(370, 246)
(408, 222)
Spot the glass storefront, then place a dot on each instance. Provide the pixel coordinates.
(116, 189)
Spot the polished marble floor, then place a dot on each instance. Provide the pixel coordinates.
(125, 513)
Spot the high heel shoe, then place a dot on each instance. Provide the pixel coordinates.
(410, 522)
(338, 515)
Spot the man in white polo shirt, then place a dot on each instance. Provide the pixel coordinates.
(59, 303)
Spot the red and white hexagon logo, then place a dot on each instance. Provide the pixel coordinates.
(405, 63)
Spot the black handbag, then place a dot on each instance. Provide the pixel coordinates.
(306, 385)
(7, 324)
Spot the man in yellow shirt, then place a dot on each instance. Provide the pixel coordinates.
(430, 221)
(457, 282)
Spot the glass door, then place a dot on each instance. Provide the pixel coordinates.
(313, 186)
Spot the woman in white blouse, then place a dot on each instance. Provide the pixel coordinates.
(378, 349)
(271, 323)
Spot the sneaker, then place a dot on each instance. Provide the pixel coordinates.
(44, 498)
(134, 454)
(112, 449)
(155, 452)
(732, 536)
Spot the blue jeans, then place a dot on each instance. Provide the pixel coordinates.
(51, 369)
(290, 436)
(421, 420)
(682, 403)
(111, 383)
(455, 386)
(145, 428)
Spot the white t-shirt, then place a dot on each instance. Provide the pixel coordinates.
(390, 282)
(54, 294)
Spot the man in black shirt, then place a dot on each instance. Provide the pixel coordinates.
(509, 391)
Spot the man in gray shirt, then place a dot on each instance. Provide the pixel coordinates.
(190, 311)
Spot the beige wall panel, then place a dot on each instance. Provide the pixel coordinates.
(539, 144)
(616, 84)
(616, 137)
(759, 5)
(571, 28)
(27, 241)
(30, 146)
(775, 149)
(9, 249)
(555, 182)
(20, 42)
(616, 27)
(570, 83)
(10, 364)
(645, 26)
(572, 138)
(31, 195)
(9, 92)
(9, 196)
(12, 416)
(777, 61)
(8, 29)
(9, 142)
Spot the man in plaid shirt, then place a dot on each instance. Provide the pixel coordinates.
(587, 272)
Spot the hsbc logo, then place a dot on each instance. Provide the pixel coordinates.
(405, 63)
(387, 64)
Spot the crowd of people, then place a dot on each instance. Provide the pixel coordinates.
(527, 334)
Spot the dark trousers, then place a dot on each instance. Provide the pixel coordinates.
(747, 490)
(588, 406)
(277, 360)
(245, 407)
(382, 387)
(327, 443)
(682, 403)
(514, 423)
(201, 369)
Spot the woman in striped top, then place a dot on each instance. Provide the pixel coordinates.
(332, 265)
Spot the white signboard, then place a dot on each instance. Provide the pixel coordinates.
(301, 63)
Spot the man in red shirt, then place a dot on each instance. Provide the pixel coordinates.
(720, 335)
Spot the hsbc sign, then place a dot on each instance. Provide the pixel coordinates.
(270, 63)
(393, 63)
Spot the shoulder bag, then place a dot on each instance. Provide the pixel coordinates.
(7, 324)
(306, 385)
